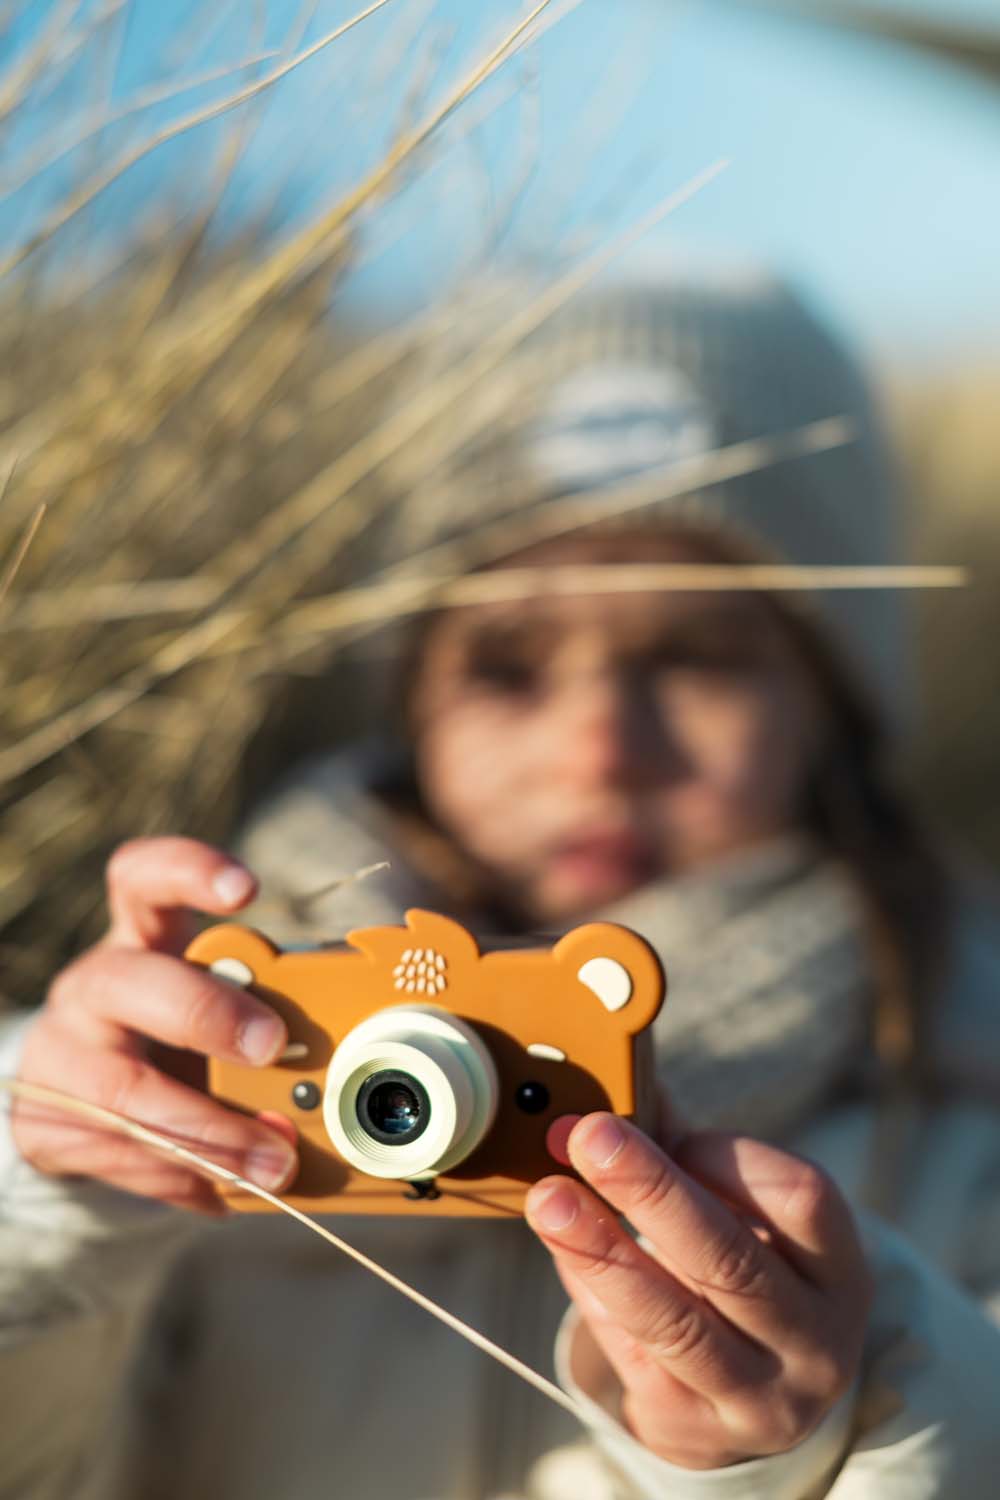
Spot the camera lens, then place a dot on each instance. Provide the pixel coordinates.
(393, 1108)
(410, 1092)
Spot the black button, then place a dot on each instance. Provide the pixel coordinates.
(306, 1095)
(532, 1098)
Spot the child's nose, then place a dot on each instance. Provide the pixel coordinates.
(609, 733)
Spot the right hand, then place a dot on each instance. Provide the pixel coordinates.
(92, 1037)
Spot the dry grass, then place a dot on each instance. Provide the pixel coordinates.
(191, 451)
(142, 483)
(950, 439)
(197, 467)
(174, 446)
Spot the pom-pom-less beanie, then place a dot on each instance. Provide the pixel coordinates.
(636, 378)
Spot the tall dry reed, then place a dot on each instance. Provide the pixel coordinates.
(188, 448)
(198, 463)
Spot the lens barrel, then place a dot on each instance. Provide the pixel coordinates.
(410, 1092)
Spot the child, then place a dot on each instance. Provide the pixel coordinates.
(702, 766)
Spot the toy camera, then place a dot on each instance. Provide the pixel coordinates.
(423, 1073)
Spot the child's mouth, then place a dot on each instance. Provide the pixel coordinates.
(604, 863)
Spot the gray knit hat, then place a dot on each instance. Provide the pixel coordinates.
(625, 390)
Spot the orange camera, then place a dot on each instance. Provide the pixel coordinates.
(423, 1073)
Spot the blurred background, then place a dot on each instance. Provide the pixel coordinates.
(226, 227)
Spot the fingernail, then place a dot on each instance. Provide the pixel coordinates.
(234, 885)
(600, 1141)
(270, 1166)
(552, 1208)
(261, 1039)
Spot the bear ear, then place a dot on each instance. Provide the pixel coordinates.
(619, 968)
(238, 954)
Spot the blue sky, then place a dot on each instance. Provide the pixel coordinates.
(873, 178)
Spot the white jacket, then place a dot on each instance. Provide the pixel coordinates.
(144, 1355)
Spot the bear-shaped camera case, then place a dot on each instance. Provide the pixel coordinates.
(423, 1073)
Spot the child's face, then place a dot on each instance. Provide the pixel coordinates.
(578, 747)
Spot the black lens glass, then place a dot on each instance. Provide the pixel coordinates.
(393, 1108)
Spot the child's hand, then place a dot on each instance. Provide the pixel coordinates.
(92, 1036)
(738, 1326)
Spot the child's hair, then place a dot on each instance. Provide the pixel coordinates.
(860, 812)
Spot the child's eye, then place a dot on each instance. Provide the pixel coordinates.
(503, 672)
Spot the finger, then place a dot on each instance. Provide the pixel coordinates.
(807, 1217)
(281, 1123)
(664, 1414)
(629, 1357)
(196, 1197)
(185, 1190)
(141, 1174)
(60, 1143)
(678, 1329)
(112, 992)
(669, 1127)
(695, 1235)
(154, 884)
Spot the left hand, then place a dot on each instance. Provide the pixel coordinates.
(741, 1322)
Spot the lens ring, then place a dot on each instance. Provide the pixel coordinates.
(449, 1097)
(393, 1107)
